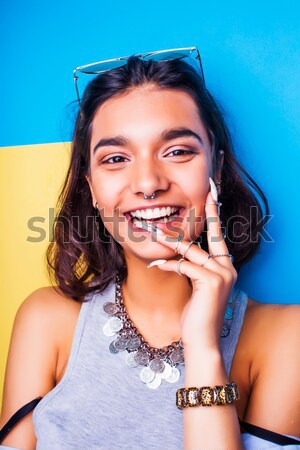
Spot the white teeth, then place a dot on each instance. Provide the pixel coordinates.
(149, 214)
(155, 213)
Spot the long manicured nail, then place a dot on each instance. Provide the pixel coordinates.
(149, 227)
(154, 229)
(157, 262)
(213, 189)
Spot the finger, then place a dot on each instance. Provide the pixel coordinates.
(216, 242)
(188, 250)
(182, 267)
(196, 272)
(182, 247)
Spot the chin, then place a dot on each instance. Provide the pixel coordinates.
(150, 252)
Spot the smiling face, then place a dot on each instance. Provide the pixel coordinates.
(149, 140)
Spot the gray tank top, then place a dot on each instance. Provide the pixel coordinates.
(101, 403)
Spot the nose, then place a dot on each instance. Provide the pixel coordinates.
(148, 176)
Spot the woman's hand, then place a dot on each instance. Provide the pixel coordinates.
(212, 281)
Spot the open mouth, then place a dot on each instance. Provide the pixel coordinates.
(146, 218)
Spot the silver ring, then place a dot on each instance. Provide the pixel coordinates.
(209, 256)
(222, 254)
(187, 249)
(219, 204)
(178, 244)
(178, 266)
(215, 203)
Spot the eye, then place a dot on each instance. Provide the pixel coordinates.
(182, 152)
(117, 159)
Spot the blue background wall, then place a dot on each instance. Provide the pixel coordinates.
(251, 58)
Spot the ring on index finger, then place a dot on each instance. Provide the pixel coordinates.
(178, 244)
(187, 249)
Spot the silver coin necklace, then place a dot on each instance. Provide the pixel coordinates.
(158, 364)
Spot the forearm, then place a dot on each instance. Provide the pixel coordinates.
(210, 427)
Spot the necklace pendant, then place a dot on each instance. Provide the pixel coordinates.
(155, 383)
(167, 371)
(157, 365)
(130, 361)
(147, 375)
(177, 357)
(174, 376)
(107, 330)
(115, 324)
(110, 308)
(141, 358)
(112, 347)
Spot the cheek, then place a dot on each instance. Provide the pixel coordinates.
(196, 184)
(106, 190)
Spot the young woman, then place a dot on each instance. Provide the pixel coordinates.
(156, 219)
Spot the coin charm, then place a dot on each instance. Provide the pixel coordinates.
(120, 344)
(130, 361)
(155, 383)
(112, 347)
(177, 357)
(110, 308)
(147, 375)
(167, 371)
(229, 313)
(133, 343)
(157, 365)
(107, 330)
(174, 376)
(115, 324)
(141, 357)
(225, 331)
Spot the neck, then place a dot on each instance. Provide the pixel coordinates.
(155, 301)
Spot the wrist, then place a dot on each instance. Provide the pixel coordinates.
(200, 351)
(204, 368)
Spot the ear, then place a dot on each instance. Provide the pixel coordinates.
(91, 189)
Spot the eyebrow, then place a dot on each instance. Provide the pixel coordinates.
(166, 136)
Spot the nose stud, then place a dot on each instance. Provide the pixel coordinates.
(150, 197)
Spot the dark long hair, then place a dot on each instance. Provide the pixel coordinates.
(83, 257)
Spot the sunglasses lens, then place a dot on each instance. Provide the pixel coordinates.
(104, 66)
(168, 56)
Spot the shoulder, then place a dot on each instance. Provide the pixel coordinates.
(272, 326)
(46, 300)
(42, 323)
(271, 336)
(45, 313)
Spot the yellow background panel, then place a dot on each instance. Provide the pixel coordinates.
(31, 177)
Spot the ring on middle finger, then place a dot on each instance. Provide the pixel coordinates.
(187, 249)
(178, 266)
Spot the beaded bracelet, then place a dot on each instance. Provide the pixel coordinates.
(207, 396)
